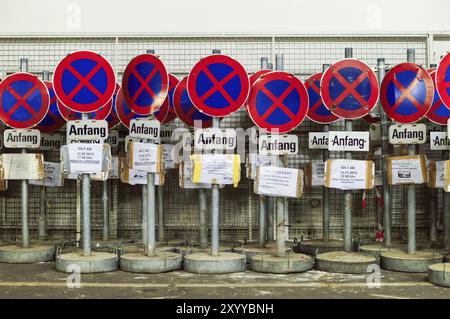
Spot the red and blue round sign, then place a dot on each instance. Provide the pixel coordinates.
(185, 109)
(100, 114)
(24, 100)
(317, 111)
(84, 81)
(443, 79)
(278, 102)
(124, 113)
(438, 113)
(53, 121)
(349, 89)
(112, 118)
(218, 85)
(166, 113)
(252, 78)
(145, 84)
(407, 92)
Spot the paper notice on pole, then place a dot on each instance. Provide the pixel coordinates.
(145, 157)
(216, 168)
(349, 174)
(136, 177)
(279, 181)
(447, 176)
(168, 156)
(255, 160)
(53, 176)
(185, 177)
(114, 172)
(85, 158)
(436, 174)
(18, 166)
(407, 170)
(314, 174)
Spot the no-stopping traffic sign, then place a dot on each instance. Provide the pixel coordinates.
(24, 100)
(124, 113)
(218, 85)
(185, 109)
(145, 84)
(84, 81)
(278, 102)
(438, 112)
(317, 111)
(407, 93)
(166, 113)
(53, 121)
(349, 88)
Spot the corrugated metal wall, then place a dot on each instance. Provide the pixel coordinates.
(239, 206)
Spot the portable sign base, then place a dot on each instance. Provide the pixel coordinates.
(399, 260)
(313, 247)
(346, 262)
(439, 274)
(35, 253)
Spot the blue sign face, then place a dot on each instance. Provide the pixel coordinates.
(317, 111)
(24, 100)
(407, 93)
(438, 112)
(53, 121)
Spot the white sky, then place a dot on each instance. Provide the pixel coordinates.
(225, 16)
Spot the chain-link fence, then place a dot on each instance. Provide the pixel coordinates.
(303, 56)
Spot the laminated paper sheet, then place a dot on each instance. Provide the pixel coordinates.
(146, 157)
(411, 169)
(19, 166)
(222, 169)
(53, 176)
(314, 174)
(436, 174)
(279, 181)
(349, 174)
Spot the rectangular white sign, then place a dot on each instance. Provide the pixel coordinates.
(408, 134)
(439, 141)
(279, 181)
(18, 138)
(85, 158)
(349, 174)
(86, 130)
(51, 142)
(144, 128)
(113, 138)
(168, 156)
(352, 141)
(215, 169)
(278, 144)
(318, 140)
(53, 176)
(439, 174)
(166, 132)
(256, 160)
(114, 172)
(145, 157)
(214, 139)
(315, 173)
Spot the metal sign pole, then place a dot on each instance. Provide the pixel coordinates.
(446, 212)
(86, 207)
(348, 194)
(411, 188)
(280, 201)
(42, 222)
(384, 154)
(325, 190)
(262, 198)
(161, 231)
(24, 185)
(144, 213)
(270, 202)
(105, 200)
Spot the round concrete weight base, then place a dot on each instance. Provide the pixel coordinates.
(447, 257)
(376, 249)
(345, 262)
(186, 250)
(439, 274)
(311, 247)
(141, 263)
(251, 251)
(203, 263)
(281, 265)
(139, 248)
(33, 254)
(398, 260)
(96, 262)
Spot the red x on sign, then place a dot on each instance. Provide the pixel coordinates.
(317, 111)
(349, 89)
(145, 84)
(84, 81)
(24, 100)
(218, 85)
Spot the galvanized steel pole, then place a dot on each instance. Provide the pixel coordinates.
(86, 206)
(411, 188)
(151, 224)
(24, 186)
(144, 213)
(215, 202)
(203, 220)
(348, 194)
(280, 201)
(105, 200)
(384, 154)
(325, 190)
(161, 231)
